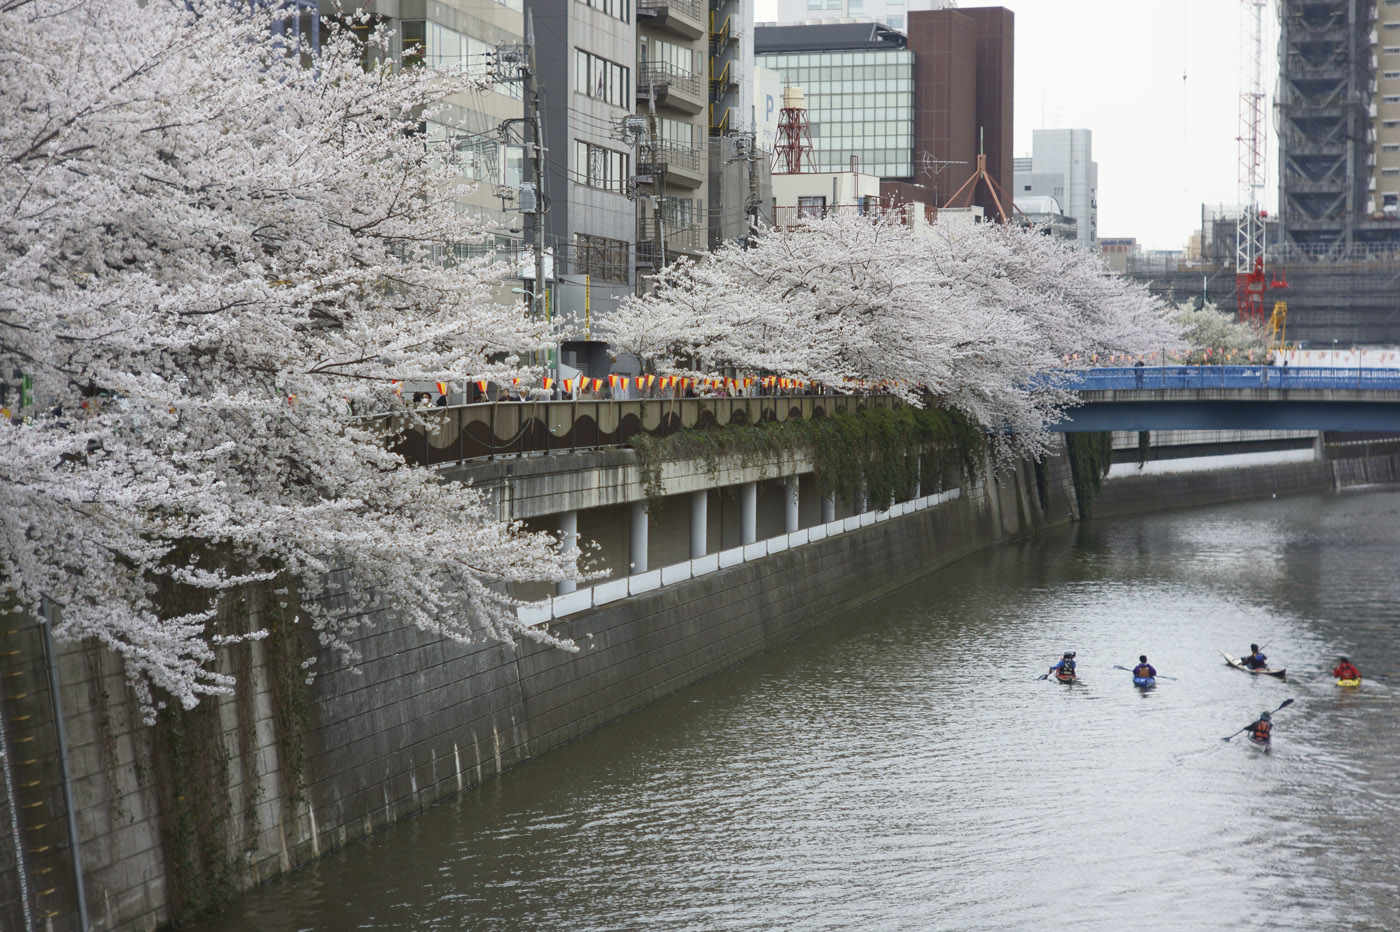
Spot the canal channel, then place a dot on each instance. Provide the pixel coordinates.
(903, 768)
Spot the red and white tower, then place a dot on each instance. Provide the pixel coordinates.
(1250, 283)
(793, 153)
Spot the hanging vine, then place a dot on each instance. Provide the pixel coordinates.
(1090, 456)
(873, 454)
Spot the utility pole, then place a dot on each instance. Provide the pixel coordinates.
(754, 205)
(519, 64)
(658, 184)
(532, 102)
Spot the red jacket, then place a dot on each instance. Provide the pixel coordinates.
(1346, 671)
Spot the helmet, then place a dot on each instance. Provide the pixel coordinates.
(1069, 654)
(1344, 660)
(1266, 716)
(1142, 659)
(1254, 647)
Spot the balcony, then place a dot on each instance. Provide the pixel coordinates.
(672, 87)
(683, 17)
(670, 164)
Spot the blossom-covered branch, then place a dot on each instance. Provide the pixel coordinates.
(978, 318)
(208, 248)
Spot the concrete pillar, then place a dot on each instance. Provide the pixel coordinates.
(748, 512)
(790, 517)
(829, 508)
(699, 523)
(568, 542)
(638, 539)
(918, 476)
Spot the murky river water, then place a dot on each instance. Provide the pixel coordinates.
(903, 768)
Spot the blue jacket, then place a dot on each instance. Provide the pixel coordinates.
(1256, 661)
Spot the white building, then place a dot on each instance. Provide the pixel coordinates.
(893, 13)
(1062, 166)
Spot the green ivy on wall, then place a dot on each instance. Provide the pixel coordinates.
(875, 453)
(1090, 456)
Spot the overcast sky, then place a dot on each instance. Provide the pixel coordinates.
(1164, 145)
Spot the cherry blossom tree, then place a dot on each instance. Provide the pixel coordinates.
(211, 245)
(1214, 336)
(980, 318)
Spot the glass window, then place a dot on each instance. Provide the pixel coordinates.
(598, 167)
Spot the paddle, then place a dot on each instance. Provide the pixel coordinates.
(1043, 676)
(1160, 676)
(1286, 704)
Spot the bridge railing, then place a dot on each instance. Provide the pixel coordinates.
(484, 431)
(1197, 377)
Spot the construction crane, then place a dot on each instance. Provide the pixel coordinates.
(1250, 278)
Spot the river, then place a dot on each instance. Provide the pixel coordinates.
(903, 768)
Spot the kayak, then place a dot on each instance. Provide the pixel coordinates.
(1065, 677)
(1261, 745)
(1239, 664)
(1144, 682)
(1355, 682)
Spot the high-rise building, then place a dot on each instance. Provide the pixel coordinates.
(673, 95)
(586, 53)
(1339, 124)
(858, 84)
(915, 109)
(1062, 166)
(892, 13)
(461, 36)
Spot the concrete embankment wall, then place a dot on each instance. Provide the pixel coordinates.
(214, 801)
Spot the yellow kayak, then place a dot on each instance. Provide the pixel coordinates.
(1355, 682)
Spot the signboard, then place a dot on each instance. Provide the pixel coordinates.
(767, 105)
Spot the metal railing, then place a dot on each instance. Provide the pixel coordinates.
(667, 75)
(670, 155)
(505, 428)
(1197, 377)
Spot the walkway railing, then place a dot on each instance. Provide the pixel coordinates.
(506, 428)
(624, 586)
(1197, 377)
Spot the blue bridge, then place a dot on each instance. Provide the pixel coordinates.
(1235, 398)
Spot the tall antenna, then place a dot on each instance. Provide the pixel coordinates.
(1249, 228)
(793, 153)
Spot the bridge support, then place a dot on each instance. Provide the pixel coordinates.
(748, 512)
(699, 523)
(791, 519)
(638, 538)
(568, 543)
(829, 508)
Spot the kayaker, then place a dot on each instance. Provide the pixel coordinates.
(1066, 665)
(1260, 728)
(1255, 660)
(1144, 670)
(1346, 670)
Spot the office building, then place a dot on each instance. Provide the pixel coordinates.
(1062, 166)
(915, 109)
(892, 13)
(858, 83)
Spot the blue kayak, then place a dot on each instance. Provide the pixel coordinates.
(1145, 682)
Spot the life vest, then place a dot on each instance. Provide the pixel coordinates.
(1066, 667)
(1142, 671)
(1260, 730)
